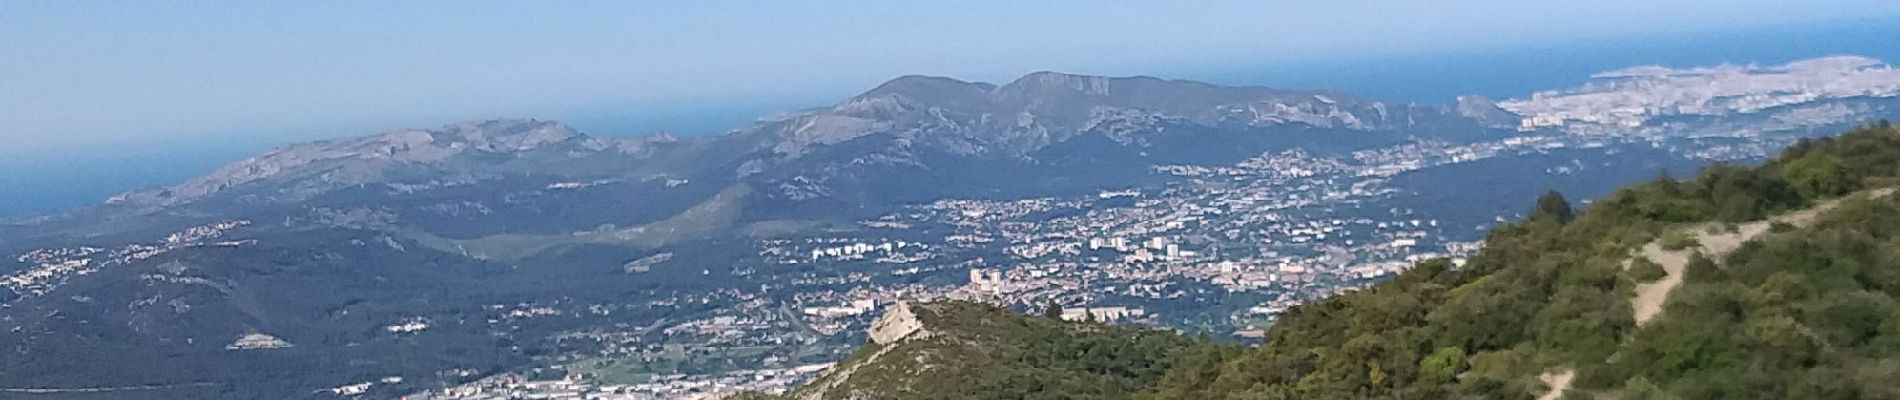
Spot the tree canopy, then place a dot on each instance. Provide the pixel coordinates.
(1804, 312)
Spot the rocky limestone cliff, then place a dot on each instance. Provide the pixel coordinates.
(897, 324)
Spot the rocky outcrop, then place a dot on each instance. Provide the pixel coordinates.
(898, 324)
(257, 341)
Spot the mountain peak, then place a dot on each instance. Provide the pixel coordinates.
(925, 83)
(919, 92)
(1052, 76)
(1045, 81)
(925, 88)
(505, 134)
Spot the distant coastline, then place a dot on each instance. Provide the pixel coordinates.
(41, 183)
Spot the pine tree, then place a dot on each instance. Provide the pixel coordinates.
(1553, 205)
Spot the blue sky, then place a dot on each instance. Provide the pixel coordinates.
(76, 74)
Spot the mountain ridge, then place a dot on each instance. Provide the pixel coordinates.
(485, 247)
(935, 113)
(903, 123)
(342, 159)
(965, 118)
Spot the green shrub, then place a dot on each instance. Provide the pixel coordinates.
(1780, 227)
(1676, 241)
(1642, 270)
(1806, 314)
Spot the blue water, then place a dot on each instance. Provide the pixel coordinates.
(51, 182)
(1517, 71)
(54, 182)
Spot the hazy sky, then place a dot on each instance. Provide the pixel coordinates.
(76, 73)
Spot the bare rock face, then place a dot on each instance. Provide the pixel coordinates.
(896, 325)
(257, 341)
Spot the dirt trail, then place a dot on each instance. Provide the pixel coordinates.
(1650, 296)
(1714, 245)
(1558, 382)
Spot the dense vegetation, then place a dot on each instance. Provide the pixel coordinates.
(1803, 313)
(1800, 312)
(977, 351)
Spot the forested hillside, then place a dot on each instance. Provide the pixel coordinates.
(1779, 281)
(963, 350)
(1797, 312)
